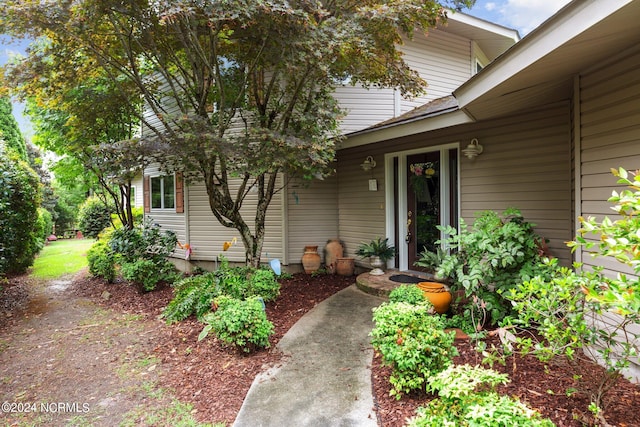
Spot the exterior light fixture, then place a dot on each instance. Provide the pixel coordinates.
(473, 149)
(368, 164)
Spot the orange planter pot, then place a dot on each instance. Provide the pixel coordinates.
(439, 296)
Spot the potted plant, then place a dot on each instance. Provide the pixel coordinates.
(379, 252)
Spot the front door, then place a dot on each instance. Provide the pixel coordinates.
(424, 201)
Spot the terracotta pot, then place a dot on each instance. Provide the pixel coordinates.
(439, 296)
(333, 250)
(310, 259)
(345, 266)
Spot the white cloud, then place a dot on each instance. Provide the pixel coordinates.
(525, 15)
(490, 7)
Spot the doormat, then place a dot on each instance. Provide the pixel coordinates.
(405, 278)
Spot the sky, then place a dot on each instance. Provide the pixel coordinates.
(522, 15)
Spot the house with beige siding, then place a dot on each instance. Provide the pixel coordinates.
(310, 213)
(553, 113)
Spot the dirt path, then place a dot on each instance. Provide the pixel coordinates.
(64, 361)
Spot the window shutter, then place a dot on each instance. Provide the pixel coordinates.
(147, 193)
(179, 193)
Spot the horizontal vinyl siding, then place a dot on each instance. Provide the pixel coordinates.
(364, 107)
(137, 183)
(526, 164)
(442, 59)
(610, 137)
(167, 219)
(208, 235)
(361, 212)
(312, 215)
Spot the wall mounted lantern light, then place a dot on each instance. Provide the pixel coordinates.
(473, 149)
(368, 164)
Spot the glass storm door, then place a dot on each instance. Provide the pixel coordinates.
(432, 200)
(423, 204)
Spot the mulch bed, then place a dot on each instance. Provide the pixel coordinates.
(215, 379)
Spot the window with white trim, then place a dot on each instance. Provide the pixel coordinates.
(163, 192)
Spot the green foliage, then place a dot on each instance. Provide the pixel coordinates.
(10, 131)
(431, 260)
(379, 247)
(193, 295)
(45, 224)
(239, 323)
(585, 314)
(467, 398)
(19, 201)
(102, 261)
(263, 283)
(495, 255)
(412, 341)
(93, 217)
(147, 241)
(410, 294)
(147, 274)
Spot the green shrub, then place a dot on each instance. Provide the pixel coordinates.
(496, 254)
(467, 397)
(583, 315)
(263, 283)
(19, 200)
(233, 281)
(242, 324)
(45, 224)
(413, 342)
(146, 241)
(93, 217)
(194, 296)
(102, 262)
(147, 274)
(408, 293)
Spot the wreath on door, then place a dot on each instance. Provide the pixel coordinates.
(422, 177)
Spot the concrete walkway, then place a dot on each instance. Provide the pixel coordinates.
(325, 379)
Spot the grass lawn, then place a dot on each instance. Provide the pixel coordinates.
(61, 257)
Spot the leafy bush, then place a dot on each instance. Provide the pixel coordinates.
(467, 397)
(263, 283)
(495, 255)
(45, 224)
(102, 262)
(585, 315)
(194, 295)
(146, 274)
(412, 341)
(93, 217)
(242, 324)
(19, 200)
(146, 241)
(410, 294)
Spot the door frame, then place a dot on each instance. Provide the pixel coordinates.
(391, 198)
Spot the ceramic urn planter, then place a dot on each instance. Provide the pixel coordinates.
(437, 294)
(310, 259)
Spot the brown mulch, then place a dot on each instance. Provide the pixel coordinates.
(216, 379)
(542, 387)
(213, 378)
